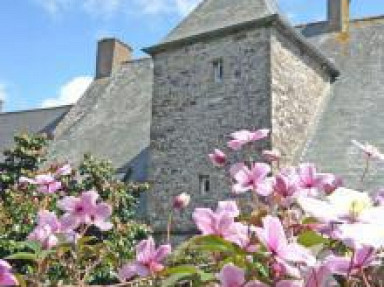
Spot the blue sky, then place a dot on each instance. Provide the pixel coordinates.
(47, 47)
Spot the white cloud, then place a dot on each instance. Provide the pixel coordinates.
(186, 6)
(103, 8)
(108, 8)
(53, 7)
(69, 93)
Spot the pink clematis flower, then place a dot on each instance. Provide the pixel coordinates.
(218, 158)
(363, 257)
(243, 137)
(148, 260)
(254, 178)
(310, 180)
(286, 185)
(222, 223)
(6, 276)
(46, 183)
(370, 151)
(329, 182)
(273, 237)
(85, 210)
(233, 276)
(46, 230)
(271, 155)
(64, 170)
(181, 201)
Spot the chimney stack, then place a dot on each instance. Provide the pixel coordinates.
(111, 53)
(338, 15)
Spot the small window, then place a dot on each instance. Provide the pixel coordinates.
(218, 70)
(204, 184)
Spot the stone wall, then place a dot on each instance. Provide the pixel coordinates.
(192, 114)
(299, 88)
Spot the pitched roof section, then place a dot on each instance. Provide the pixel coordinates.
(31, 121)
(355, 108)
(217, 14)
(111, 120)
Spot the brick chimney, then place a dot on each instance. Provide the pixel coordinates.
(338, 15)
(111, 53)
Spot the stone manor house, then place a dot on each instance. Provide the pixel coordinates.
(229, 65)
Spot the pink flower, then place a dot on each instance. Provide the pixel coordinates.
(218, 158)
(46, 183)
(221, 222)
(181, 201)
(233, 276)
(6, 276)
(310, 180)
(85, 210)
(329, 182)
(271, 155)
(273, 237)
(370, 151)
(317, 276)
(64, 170)
(363, 257)
(287, 183)
(244, 137)
(148, 260)
(46, 230)
(254, 178)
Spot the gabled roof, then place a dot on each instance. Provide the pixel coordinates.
(217, 14)
(111, 120)
(31, 121)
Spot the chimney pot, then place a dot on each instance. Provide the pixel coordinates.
(111, 53)
(338, 15)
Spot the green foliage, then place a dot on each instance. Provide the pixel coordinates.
(24, 158)
(19, 204)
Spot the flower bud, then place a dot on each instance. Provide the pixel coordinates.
(181, 201)
(271, 155)
(218, 158)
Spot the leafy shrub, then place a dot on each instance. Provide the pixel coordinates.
(21, 201)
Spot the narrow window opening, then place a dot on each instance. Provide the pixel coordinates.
(205, 184)
(218, 70)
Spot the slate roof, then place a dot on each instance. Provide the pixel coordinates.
(355, 109)
(216, 14)
(32, 121)
(111, 120)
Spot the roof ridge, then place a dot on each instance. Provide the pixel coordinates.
(36, 109)
(215, 14)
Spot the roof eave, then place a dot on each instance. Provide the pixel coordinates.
(285, 27)
(275, 19)
(265, 21)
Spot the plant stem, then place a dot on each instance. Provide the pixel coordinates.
(365, 171)
(365, 279)
(169, 226)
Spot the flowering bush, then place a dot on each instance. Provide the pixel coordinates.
(62, 225)
(301, 228)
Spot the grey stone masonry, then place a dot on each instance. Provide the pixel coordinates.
(192, 114)
(267, 82)
(300, 87)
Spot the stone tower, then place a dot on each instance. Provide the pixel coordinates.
(229, 65)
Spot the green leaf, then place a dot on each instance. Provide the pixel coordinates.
(23, 256)
(20, 280)
(185, 269)
(33, 245)
(214, 243)
(311, 238)
(206, 277)
(174, 279)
